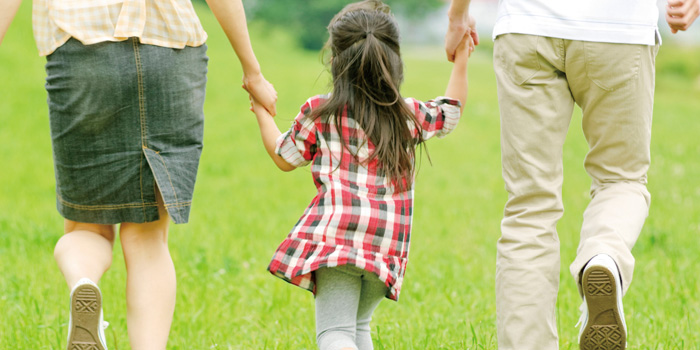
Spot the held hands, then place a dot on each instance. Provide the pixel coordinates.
(680, 14)
(464, 49)
(262, 91)
(457, 86)
(269, 133)
(256, 107)
(458, 28)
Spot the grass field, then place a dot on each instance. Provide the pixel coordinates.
(244, 207)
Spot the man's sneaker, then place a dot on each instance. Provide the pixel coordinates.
(602, 320)
(85, 325)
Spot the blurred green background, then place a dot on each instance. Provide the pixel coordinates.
(243, 208)
(307, 19)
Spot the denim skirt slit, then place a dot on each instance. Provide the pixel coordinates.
(126, 124)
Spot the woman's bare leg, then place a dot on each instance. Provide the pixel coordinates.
(150, 282)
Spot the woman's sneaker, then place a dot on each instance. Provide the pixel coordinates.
(602, 319)
(85, 325)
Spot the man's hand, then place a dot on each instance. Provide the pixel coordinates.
(456, 30)
(680, 14)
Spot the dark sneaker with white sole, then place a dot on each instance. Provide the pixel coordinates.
(603, 320)
(85, 325)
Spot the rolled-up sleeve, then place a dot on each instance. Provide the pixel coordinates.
(437, 117)
(297, 146)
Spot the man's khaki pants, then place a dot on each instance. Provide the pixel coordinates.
(539, 80)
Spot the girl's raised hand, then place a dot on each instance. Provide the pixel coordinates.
(255, 106)
(262, 91)
(465, 48)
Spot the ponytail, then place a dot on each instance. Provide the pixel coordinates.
(367, 72)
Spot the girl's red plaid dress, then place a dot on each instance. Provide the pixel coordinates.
(356, 217)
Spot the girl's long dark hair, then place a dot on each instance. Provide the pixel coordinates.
(367, 71)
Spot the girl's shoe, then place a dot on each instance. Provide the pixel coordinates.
(85, 325)
(603, 319)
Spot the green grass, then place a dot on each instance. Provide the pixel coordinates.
(244, 207)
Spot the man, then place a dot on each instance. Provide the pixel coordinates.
(548, 55)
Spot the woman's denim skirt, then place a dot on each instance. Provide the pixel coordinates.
(126, 124)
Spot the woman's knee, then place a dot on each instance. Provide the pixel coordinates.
(134, 236)
(79, 236)
(137, 236)
(142, 237)
(106, 231)
(77, 232)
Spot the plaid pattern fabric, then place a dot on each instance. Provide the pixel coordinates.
(166, 23)
(356, 217)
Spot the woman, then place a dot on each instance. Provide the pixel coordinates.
(125, 83)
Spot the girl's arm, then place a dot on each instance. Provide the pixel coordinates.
(8, 9)
(231, 17)
(457, 87)
(269, 132)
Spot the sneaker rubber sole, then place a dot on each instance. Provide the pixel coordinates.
(604, 329)
(86, 305)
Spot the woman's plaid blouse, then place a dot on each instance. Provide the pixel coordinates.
(166, 23)
(356, 217)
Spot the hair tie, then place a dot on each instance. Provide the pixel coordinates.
(369, 32)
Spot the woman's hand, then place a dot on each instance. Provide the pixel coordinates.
(262, 91)
(269, 132)
(8, 9)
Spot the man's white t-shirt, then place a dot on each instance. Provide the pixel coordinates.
(612, 21)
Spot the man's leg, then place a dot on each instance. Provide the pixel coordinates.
(617, 124)
(614, 85)
(536, 107)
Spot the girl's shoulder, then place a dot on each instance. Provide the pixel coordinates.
(306, 117)
(413, 104)
(314, 102)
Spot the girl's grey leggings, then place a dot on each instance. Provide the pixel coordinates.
(346, 296)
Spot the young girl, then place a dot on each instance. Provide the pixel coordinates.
(351, 245)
